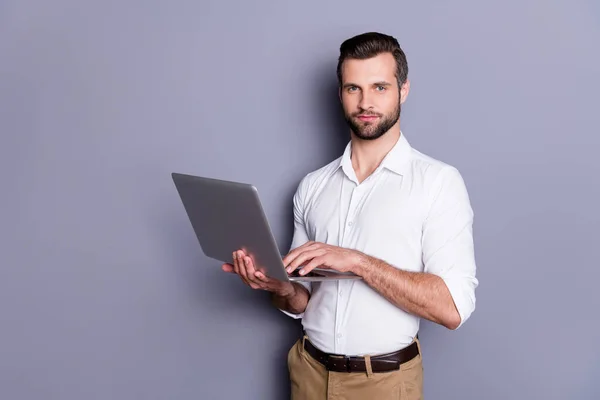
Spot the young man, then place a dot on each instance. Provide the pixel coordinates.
(396, 217)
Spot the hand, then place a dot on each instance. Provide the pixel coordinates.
(324, 256)
(244, 267)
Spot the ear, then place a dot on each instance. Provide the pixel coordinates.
(404, 91)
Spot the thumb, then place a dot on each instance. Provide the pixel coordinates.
(227, 267)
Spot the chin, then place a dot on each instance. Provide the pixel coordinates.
(369, 136)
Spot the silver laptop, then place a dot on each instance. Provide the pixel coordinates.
(228, 216)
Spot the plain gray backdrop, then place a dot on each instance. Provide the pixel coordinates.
(104, 291)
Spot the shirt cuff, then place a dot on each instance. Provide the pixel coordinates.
(461, 290)
(295, 316)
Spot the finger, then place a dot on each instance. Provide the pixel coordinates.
(263, 281)
(272, 285)
(227, 268)
(303, 258)
(236, 266)
(292, 255)
(314, 263)
(266, 281)
(262, 277)
(247, 271)
(297, 260)
(242, 266)
(250, 271)
(295, 252)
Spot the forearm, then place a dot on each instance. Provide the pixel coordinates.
(422, 294)
(294, 302)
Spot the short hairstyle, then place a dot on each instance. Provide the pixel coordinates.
(371, 44)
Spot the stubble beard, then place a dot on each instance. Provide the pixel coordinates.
(372, 130)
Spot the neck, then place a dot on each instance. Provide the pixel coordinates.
(368, 154)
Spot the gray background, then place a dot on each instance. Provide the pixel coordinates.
(104, 292)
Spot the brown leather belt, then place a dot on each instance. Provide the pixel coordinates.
(380, 363)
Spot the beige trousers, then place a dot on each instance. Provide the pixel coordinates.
(311, 381)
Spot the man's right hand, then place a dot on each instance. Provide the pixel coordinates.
(244, 267)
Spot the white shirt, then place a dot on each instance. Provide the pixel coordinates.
(414, 213)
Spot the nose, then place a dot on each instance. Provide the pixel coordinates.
(366, 101)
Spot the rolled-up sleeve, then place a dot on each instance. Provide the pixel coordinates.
(300, 235)
(447, 241)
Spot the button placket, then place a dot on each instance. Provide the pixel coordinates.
(352, 208)
(349, 218)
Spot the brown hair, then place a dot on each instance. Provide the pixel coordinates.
(371, 44)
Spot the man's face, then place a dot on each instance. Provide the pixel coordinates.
(370, 95)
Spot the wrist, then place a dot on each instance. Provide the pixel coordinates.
(361, 264)
(287, 291)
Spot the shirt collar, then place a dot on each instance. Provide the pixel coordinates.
(396, 160)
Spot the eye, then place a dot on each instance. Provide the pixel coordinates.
(352, 88)
(381, 88)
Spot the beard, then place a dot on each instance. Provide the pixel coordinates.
(372, 130)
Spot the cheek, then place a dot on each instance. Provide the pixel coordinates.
(349, 105)
(389, 102)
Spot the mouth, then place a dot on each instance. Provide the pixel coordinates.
(367, 118)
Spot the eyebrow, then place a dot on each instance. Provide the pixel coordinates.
(380, 83)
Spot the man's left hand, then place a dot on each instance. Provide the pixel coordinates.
(316, 254)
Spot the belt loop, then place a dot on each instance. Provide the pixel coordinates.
(368, 365)
(304, 337)
(418, 344)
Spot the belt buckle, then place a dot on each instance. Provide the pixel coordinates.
(348, 368)
(334, 361)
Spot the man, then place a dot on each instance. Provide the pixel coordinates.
(396, 217)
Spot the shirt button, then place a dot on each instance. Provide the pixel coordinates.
(339, 335)
(350, 223)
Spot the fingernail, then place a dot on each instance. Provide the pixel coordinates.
(234, 255)
(302, 272)
(289, 269)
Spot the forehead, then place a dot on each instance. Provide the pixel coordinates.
(379, 68)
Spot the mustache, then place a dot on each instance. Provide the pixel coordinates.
(366, 114)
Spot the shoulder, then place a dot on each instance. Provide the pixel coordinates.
(310, 183)
(427, 166)
(440, 180)
(433, 171)
(443, 185)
